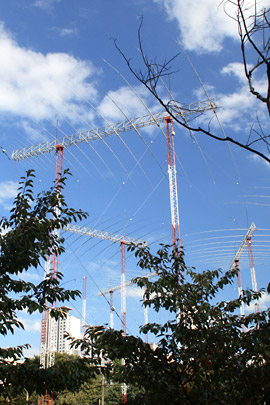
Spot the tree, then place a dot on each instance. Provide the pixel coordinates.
(203, 356)
(254, 28)
(27, 237)
(67, 375)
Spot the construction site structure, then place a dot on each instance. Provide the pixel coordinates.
(253, 274)
(124, 241)
(173, 184)
(99, 133)
(235, 264)
(111, 290)
(94, 233)
(179, 110)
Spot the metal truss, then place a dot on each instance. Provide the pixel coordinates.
(179, 110)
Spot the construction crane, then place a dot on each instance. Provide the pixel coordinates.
(193, 110)
(124, 241)
(173, 184)
(111, 290)
(94, 233)
(235, 264)
(190, 110)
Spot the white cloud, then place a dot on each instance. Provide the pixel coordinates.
(123, 104)
(67, 32)
(134, 292)
(28, 275)
(45, 4)
(235, 69)
(35, 86)
(236, 109)
(31, 325)
(203, 24)
(8, 190)
(258, 160)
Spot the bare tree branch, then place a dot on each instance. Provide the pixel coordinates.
(253, 29)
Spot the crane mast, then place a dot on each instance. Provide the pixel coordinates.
(173, 184)
(235, 263)
(252, 271)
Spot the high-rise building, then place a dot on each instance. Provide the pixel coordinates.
(57, 328)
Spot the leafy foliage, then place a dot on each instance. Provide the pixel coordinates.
(204, 356)
(28, 236)
(68, 373)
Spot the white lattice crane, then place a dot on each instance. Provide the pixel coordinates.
(124, 241)
(235, 264)
(190, 110)
(173, 183)
(59, 145)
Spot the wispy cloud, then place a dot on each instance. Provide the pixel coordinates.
(31, 325)
(65, 32)
(45, 4)
(125, 103)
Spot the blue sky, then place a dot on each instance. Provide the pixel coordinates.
(59, 74)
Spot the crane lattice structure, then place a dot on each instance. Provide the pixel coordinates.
(94, 233)
(235, 264)
(173, 184)
(124, 241)
(182, 111)
(190, 110)
(111, 290)
(179, 110)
